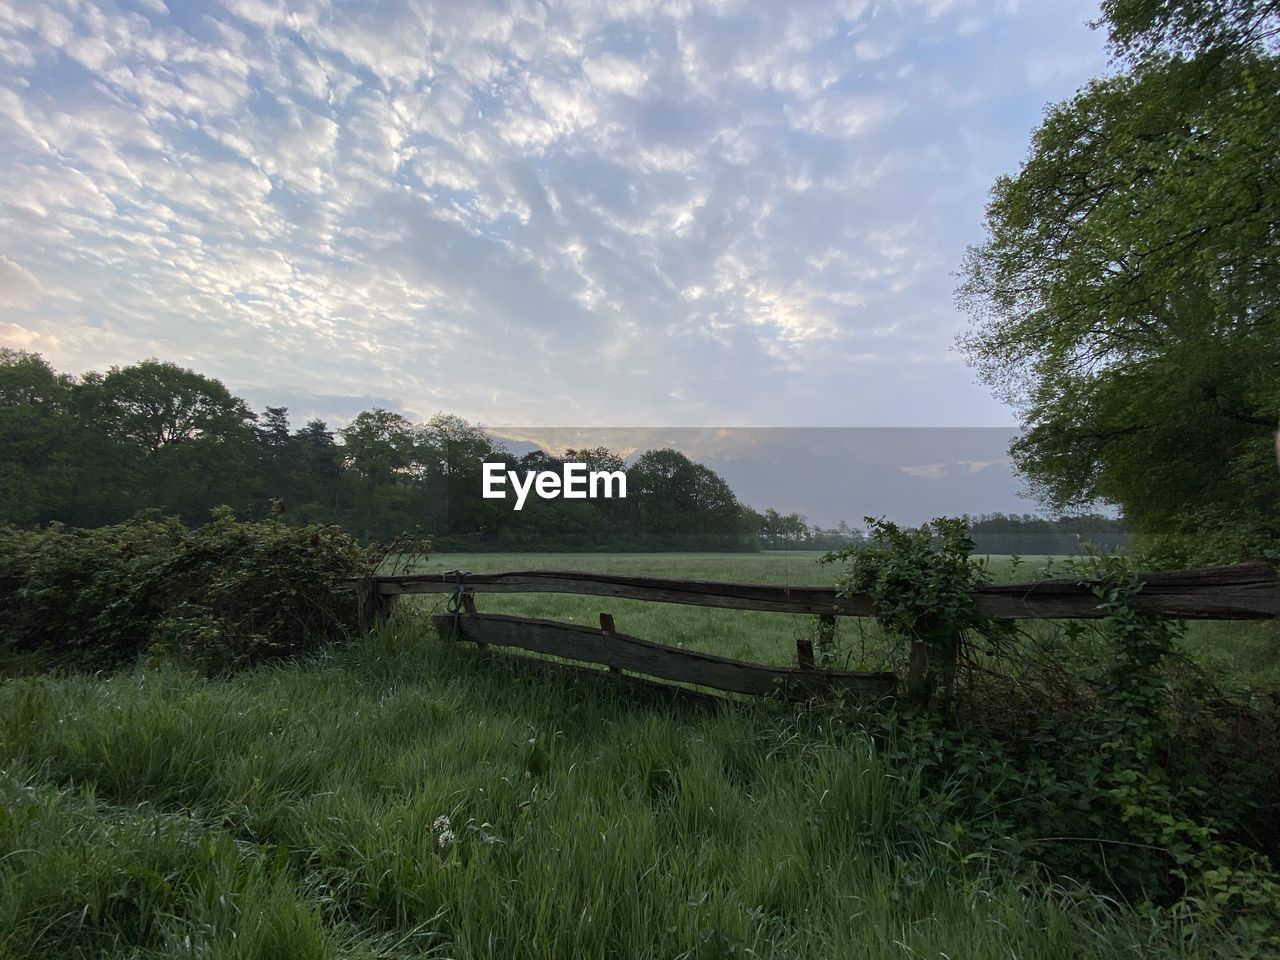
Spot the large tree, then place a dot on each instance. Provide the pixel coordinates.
(378, 446)
(674, 499)
(1126, 298)
(167, 438)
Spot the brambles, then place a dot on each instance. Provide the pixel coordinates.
(1096, 781)
(222, 595)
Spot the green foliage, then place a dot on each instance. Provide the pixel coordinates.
(224, 594)
(625, 830)
(1089, 788)
(1144, 28)
(1013, 534)
(1117, 797)
(920, 582)
(159, 436)
(1125, 295)
(36, 430)
(1224, 882)
(103, 447)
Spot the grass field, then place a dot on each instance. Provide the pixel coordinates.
(294, 812)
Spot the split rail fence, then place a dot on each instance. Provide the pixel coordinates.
(1240, 592)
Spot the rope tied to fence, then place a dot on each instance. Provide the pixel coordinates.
(456, 598)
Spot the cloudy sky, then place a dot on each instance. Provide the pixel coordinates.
(623, 212)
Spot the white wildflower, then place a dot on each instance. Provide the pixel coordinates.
(441, 823)
(446, 838)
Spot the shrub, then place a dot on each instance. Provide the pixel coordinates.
(224, 595)
(1094, 765)
(920, 582)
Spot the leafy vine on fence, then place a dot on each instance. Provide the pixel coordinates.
(1089, 790)
(921, 582)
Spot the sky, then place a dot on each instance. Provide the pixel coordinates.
(615, 213)
(827, 474)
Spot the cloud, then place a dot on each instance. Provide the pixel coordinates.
(13, 335)
(928, 471)
(18, 288)
(977, 466)
(630, 212)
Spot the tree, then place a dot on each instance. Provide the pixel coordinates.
(158, 438)
(36, 430)
(279, 458)
(677, 501)
(1126, 298)
(1141, 29)
(450, 454)
(177, 441)
(320, 468)
(378, 446)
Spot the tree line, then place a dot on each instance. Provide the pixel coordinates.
(97, 449)
(156, 438)
(1027, 534)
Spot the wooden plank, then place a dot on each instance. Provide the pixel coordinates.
(703, 593)
(1241, 592)
(574, 642)
(374, 606)
(1246, 591)
(608, 626)
(604, 680)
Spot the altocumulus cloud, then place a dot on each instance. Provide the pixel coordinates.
(18, 288)
(616, 212)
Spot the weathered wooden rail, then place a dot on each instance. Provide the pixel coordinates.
(1241, 592)
(621, 652)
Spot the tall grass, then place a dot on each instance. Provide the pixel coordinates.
(294, 811)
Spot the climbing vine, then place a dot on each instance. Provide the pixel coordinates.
(921, 583)
(1087, 787)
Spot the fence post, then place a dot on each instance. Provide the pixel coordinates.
(918, 677)
(469, 606)
(932, 671)
(947, 670)
(606, 624)
(374, 608)
(825, 640)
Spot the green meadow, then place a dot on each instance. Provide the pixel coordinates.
(398, 797)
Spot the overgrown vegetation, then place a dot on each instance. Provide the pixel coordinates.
(222, 595)
(1112, 782)
(297, 811)
(397, 798)
(920, 582)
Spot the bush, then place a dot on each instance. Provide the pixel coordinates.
(920, 583)
(224, 595)
(1121, 768)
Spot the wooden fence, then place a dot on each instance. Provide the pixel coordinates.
(1242, 592)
